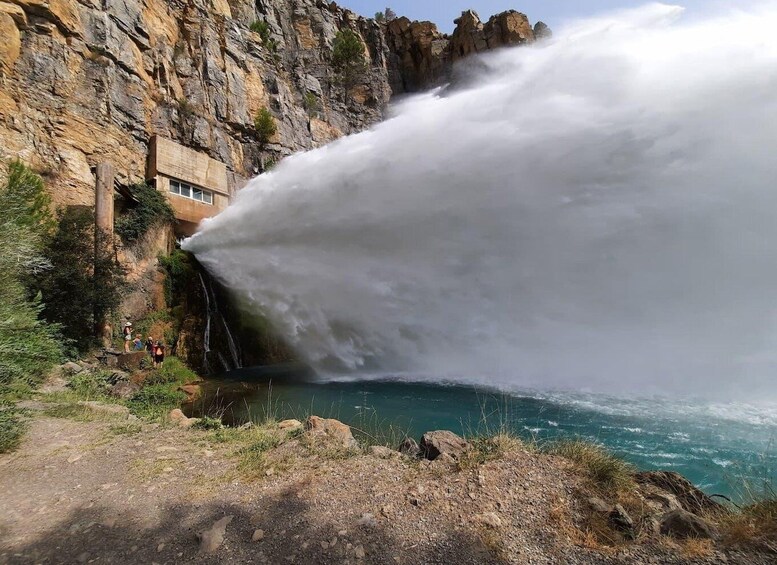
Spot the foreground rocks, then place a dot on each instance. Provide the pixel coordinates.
(170, 495)
(441, 442)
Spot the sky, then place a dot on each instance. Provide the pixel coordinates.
(552, 12)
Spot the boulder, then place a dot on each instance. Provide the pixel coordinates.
(124, 390)
(383, 452)
(409, 447)
(290, 425)
(621, 521)
(131, 361)
(212, 538)
(434, 444)
(682, 524)
(690, 498)
(331, 430)
(73, 368)
(192, 390)
(177, 417)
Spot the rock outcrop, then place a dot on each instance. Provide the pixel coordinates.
(82, 82)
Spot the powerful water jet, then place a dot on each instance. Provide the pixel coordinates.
(595, 212)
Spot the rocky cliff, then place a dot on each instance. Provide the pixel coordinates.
(88, 80)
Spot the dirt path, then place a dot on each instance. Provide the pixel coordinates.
(115, 491)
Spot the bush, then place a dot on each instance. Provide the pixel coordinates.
(28, 347)
(89, 385)
(310, 102)
(12, 428)
(82, 286)
(261, 27)
(265, 126)
(348, 57)
(380, 17)
(173, 371)
(152, 209)
(602, 467)
(208, 423)
(155, 400)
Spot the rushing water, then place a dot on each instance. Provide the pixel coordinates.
(594, 213)
(718, 446)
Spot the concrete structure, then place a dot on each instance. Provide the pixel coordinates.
(105, 174)
(195, 184)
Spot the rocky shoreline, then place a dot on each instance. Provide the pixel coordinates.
(92, 482)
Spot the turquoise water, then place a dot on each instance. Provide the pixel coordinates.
(715, 445)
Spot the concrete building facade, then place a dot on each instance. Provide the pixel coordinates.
(196, 185)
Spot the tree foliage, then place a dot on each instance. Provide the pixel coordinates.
(151, 209)
(265, 126)
(390, 14)
(84, 284)
(348, 56)
(263, 29)
(380, 17)
(28, 346)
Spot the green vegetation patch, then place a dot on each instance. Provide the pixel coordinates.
(151, 209)
(602, 467)
(265, 126)
(155, 401)
(12, 428)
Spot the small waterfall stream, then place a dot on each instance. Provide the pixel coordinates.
(215, 318)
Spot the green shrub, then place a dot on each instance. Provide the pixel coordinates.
(261, 27)
(156, 400)
(348, 56)
(265, 126)
(601, 466)
(82, 286)
(28, 347)
(180, 269)
(380, 17)
(12, 428)
(89, 384)
(208, 423)
(310, 102)
(152, 209)
(173, 371)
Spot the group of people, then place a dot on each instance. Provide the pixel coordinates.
(155, 348)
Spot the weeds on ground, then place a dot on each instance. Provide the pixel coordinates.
(208, 423)
(484, 449)
(602, 467)
(155, 401)
(12, 428)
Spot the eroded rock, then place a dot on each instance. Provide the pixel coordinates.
(682, 524)
(331, 430)
(434, 444)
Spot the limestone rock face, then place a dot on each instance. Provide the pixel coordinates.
(83, 82)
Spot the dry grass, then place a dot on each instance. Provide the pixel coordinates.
(755, 525)
(488, 449)
(603, 468)
(694, 548)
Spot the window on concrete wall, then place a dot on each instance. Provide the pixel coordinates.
(181, 188)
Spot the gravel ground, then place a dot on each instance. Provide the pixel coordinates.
(113, 491)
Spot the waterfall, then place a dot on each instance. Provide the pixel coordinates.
(213, 313)
(597, 211)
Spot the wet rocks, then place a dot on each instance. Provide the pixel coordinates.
(434, 444)
(682, 524)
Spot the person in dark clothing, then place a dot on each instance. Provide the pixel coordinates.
(159, 354)
(150, 345)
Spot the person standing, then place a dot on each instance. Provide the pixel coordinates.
(159, 354)
(150, 346)
(127, 336)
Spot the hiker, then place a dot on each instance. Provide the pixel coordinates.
(159, 354)
(150, 345)
(127, 336)
(137, 343)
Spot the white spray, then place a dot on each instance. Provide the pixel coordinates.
(598, 212)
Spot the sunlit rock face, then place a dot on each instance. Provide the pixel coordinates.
(84, 82)
(596, 212)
